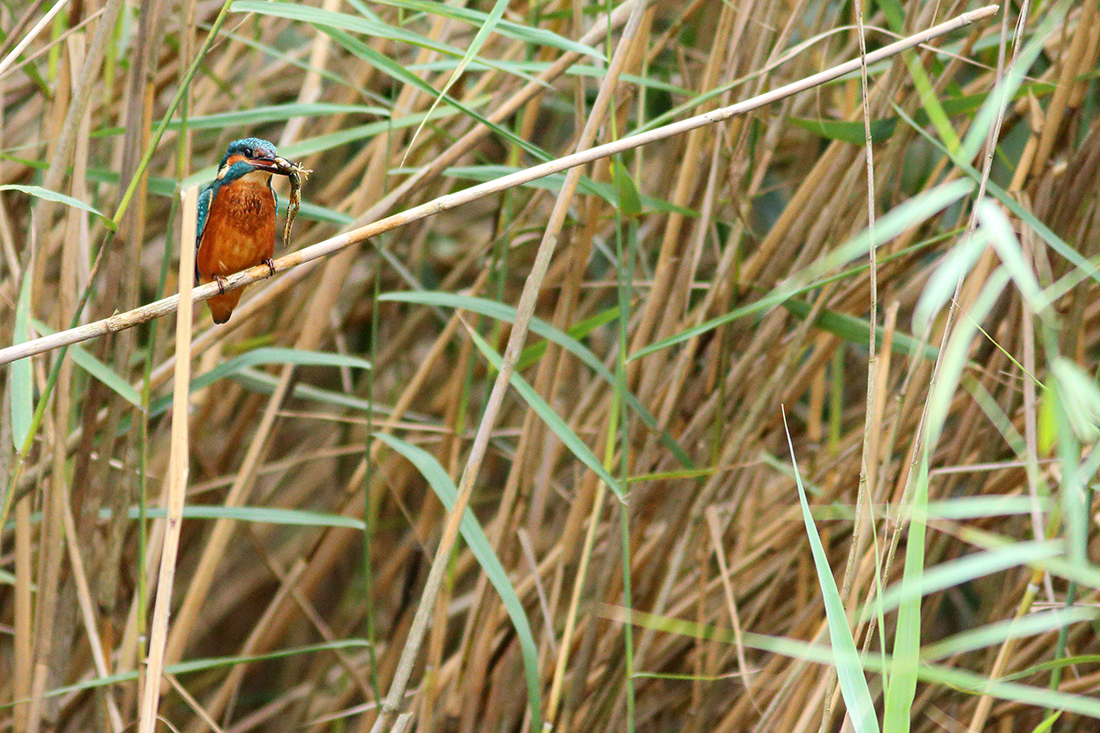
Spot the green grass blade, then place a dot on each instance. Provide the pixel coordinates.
(857, 331)
(21, 381)
(970, 567)
(541, 328)
(528, 34)
(371, 27)
(956, 355)
(845, 656)
(201, 665)
(487, 25)
(97, 369)
(575, 445)
(240, 365)
(60, 198)
(849, 132)
(398, 72)
(1001, 235)
(264, 115)
(1027, 218)
(259, 515)
(940, 288)
(997, 633)
(907, 215)
(901, 685)
(475, 537)
(948, 677)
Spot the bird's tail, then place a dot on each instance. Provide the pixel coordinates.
(221, 306)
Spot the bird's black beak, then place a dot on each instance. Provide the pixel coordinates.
(277, 165)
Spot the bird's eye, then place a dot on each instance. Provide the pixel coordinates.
(248, 152)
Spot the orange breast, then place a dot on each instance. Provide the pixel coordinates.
(240, 230)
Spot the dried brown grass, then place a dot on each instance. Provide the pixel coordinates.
(746, 205)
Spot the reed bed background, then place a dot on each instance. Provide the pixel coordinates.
(641, 552)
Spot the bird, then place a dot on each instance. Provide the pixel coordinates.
(236, 219)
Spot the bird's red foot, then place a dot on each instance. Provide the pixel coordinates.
(221, 284)
(270, 265)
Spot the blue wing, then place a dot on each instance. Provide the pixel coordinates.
(206, 196)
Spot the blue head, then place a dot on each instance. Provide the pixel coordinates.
(247, 155)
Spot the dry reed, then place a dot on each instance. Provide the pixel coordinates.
(653, 537)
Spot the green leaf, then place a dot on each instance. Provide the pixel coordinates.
(396, 71)
(260, 515)
(979, 507)
(958, 261)
(907, 215)
(846, 658)
(941, 675)
(857, 331)
(582, 70)
(544, 329)
(930, 103)
(578, 331)
(277, 355)
(264, 383)
(487, 25)
(265, 115)
(848, 132)
(575, 445)
(60, 198)
(630, 202)
(1048, 422)
(200, 665)
(967, 103)
(1079, 398)
(1003, 238)
(21, 382)
(371, 27)
(240, 365)
(895, 14)
(1014, 628)
(901, 686)
(1000, 98)
(956, 354)
(527, 34)
(479, 544)
(970, 567)
(97, 369)
(1027, 218)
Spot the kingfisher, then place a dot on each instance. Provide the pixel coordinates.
(236, 219)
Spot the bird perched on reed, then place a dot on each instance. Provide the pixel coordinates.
(236, 218)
